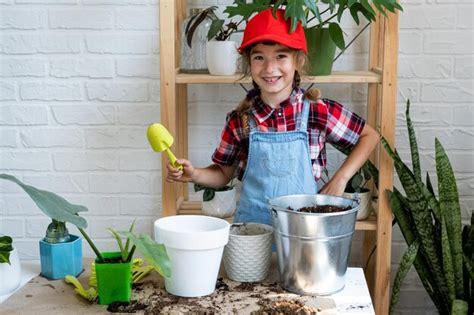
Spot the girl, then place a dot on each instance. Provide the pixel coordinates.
(275, 140)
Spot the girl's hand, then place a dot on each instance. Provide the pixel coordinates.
(334, 187)
(176, 175)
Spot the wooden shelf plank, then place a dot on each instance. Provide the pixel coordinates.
(194, 207)
(335, 77)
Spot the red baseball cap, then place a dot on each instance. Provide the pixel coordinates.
(265, 27)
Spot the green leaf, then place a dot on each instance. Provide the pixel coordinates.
(447, 261)
(132, 226)
(451, 210)
(54, 206)
(117, 237)
(246, 10)
(335, 32)
(5, 249)
(208, 194)
(216, 27)
(341, 8)
(460, 307)
(368, 9)
(415, 157)
(154, 253)
(403, 268)
(295, 12)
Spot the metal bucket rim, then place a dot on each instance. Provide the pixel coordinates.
(330, 214)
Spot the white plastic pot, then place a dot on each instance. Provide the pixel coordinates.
(222, 57)
(194, 244)
(365, 203)
(223, 204)
(10, 274)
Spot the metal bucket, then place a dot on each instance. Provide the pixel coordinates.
(312, 248)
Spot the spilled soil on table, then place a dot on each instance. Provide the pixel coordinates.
(229, 298)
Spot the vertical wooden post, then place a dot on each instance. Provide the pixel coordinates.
(168, 93)
(387, 129)
(181, 103)
(373, 109)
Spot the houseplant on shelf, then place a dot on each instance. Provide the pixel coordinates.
(438, 246)
(321, 21)
(60, 252)
(356, 189)
(10, 268)
(218, 202)
(221, 52)
(114, 269)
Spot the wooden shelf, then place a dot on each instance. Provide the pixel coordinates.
(381, 80)
(195, 207)
(335, 77)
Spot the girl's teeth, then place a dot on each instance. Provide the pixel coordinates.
(271, 79)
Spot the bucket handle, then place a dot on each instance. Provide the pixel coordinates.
(355, 201)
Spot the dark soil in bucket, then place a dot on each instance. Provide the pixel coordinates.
(321, 209)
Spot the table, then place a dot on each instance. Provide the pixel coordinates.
(43, 296)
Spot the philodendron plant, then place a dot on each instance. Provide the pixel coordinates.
(441, 250)
(55, 207)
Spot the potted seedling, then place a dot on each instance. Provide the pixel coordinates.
(60, 252)
(10, 268)
(114, 269)
(218, 202)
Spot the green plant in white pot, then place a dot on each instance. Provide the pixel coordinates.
(356, 189)
(10, 268)
(218, 202)
(321, 21)
(60, 252)
(221, 51)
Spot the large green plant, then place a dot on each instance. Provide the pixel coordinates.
(316, 13)
(440, 250)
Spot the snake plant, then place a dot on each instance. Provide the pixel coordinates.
(55, 207)
(438, 247)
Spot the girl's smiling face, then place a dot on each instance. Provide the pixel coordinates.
(273, 68)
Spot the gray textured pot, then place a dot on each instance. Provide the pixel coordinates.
(247, 256)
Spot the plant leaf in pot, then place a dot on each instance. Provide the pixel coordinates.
(60, 252)
(218, 202)
(10, 268)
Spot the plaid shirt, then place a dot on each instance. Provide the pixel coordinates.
(328, 121)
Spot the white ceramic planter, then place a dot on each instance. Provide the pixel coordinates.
(248, 254)
(223, 204)
(194, 244)
(10, 275)
(222, 57)
(365, 203)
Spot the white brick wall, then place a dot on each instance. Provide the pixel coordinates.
(79, 83)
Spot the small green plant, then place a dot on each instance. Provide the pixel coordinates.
(154, 253)
(438, 246)
(358, 181)
(5, 249)
(209, 193)
(218, 30)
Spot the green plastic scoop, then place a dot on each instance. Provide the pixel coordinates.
(161, 140)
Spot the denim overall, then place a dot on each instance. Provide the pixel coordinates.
(278, 164)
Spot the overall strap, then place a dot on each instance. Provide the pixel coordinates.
(303, 125)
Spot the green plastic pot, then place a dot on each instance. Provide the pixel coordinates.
(321, 51)
(114, 280)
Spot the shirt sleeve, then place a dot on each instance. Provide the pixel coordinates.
(226, 154)
(343, 127)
